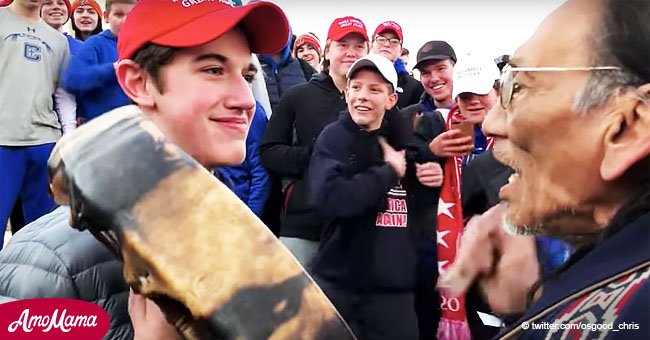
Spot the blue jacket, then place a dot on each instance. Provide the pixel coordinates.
(73, 44)
(622, 301)
(91, 76)
(251, 181)
(281, 76)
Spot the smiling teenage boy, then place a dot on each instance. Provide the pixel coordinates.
(166, 68)
(366, 262)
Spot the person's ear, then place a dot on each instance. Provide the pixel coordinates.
(392, 100)
(106, 16)
(627, 139)
(136, 83)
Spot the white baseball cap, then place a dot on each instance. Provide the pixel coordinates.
(475, 75)
(378, 62)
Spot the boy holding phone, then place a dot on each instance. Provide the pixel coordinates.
(475, 92)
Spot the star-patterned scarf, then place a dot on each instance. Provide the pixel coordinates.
(453, 322)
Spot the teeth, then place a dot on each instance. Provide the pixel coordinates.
(438, 87)
(513, 177)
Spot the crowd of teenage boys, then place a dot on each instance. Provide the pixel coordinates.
(366, 174)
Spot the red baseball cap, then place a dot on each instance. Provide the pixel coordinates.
(346, 25)
(390, 26)
(187, 23)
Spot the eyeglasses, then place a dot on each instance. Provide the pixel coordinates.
(382, 40)
(509, 87)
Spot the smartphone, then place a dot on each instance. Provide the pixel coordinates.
(466, 128)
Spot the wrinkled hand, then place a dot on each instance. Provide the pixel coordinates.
(148, 320)
(451, 143)
(505, 266)
(396, 159)
(429, 174)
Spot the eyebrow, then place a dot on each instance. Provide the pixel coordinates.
(252, 68)
(223, 59)
(211, 56)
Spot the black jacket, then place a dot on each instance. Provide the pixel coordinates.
(304, 110)
(350, 182)
(411, 90)
(48, 258)
(483, 178)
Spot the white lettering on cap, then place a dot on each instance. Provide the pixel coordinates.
(350, 22)
(189, 3)
(392, 24)
(470, 72)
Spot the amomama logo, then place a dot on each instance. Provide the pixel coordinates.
(52, 319)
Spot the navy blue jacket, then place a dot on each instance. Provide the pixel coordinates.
(625, 300)
(286, 73)
(91, 76)
(250, 180)
(350, 182)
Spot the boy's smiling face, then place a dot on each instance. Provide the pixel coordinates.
(369, 96)
(204, 103)
(85, 18)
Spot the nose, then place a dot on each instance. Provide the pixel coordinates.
(495, 122)
(433, 77)
(362, 95)
(352, 52)
(474, 98)
(239, 96)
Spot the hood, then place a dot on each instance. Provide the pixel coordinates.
(108, 34)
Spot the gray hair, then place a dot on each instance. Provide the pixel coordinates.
(622, 40)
